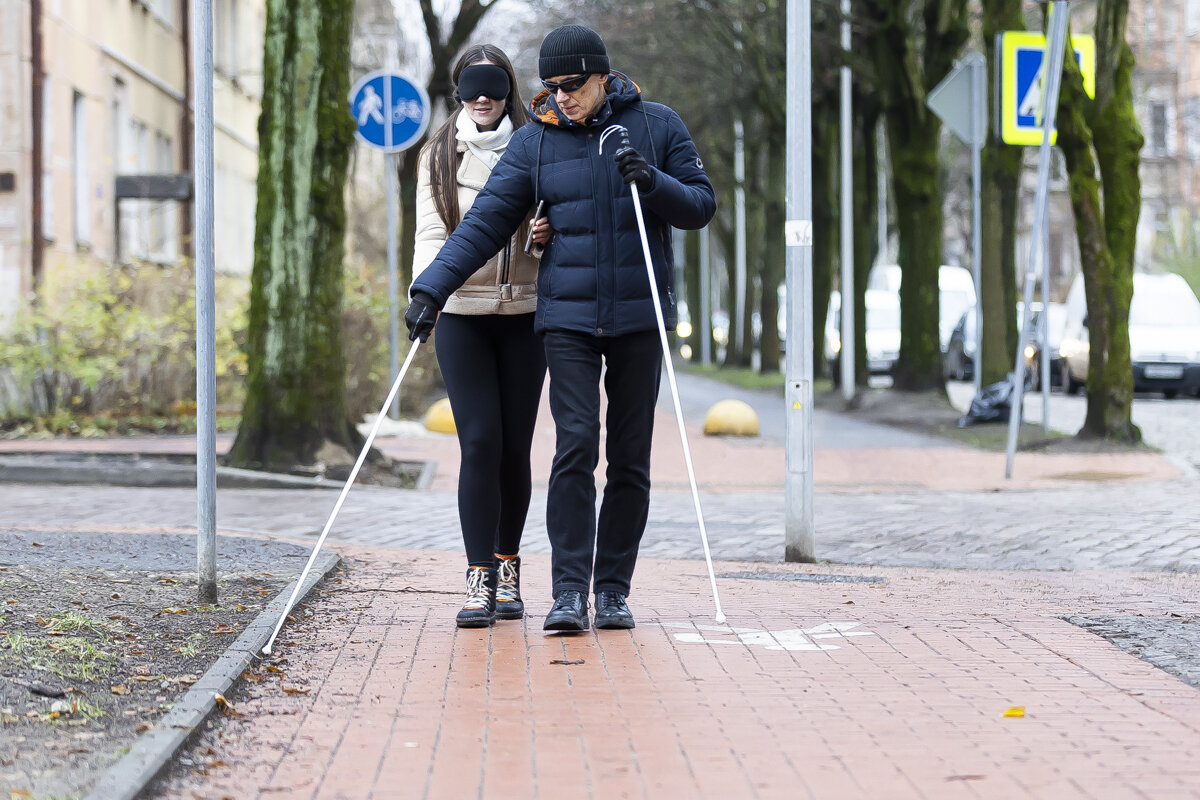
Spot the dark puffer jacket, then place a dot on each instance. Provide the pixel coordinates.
(593, 273)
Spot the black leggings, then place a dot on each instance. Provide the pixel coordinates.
(494, 366)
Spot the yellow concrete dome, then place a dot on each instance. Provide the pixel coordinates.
(731, 418)
(439, 418)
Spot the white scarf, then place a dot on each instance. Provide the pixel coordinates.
(487, 146)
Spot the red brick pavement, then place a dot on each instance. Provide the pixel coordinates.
(892, 688)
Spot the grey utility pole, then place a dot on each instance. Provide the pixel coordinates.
(1051, 81)
(798, 503)
(206, 348)
(847, 158)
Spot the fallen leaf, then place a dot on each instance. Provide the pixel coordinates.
(37, 544)
(175, 610)
(1015, 711)
(119, 689)
(142, 727)
(566, 662)
(275, 669)
(295, 690)
(848, 603)
(222, 628)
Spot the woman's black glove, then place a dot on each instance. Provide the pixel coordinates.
(420, 316)
(634, 168)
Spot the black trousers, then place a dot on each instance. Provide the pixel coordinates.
(494, 367)
(588, 554)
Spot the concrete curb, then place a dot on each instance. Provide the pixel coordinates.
(130, 776)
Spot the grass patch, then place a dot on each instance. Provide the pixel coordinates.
(73, 622)
(743, 377)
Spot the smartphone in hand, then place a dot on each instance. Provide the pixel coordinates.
(529, 245)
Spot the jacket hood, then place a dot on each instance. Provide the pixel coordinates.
(622, 92)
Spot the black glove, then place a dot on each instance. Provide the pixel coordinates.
(420, 316)
(634, 168)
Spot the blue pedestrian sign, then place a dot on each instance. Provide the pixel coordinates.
(1022, 56)
(390, 110)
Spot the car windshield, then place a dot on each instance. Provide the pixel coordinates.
(1163, 306)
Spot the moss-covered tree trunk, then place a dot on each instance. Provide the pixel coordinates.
(1001, 186)
(913, 47)
(295, 396)
(1102, 142)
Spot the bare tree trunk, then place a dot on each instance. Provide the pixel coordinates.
(866, 220)
(774, 253)
(825, 219)
(295, 395)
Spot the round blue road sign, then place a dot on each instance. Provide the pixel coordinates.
(390, 110)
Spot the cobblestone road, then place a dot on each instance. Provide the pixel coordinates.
(1144, 527)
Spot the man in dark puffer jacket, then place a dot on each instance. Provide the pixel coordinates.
(594, 306)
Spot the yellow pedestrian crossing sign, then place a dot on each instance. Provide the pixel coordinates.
(1022, 69)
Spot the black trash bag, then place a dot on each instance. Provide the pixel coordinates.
(992, 404)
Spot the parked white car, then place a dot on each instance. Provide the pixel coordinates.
(1164, 336)
(883, 331)
(956, 293)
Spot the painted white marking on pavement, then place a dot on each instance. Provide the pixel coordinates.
(793, 639)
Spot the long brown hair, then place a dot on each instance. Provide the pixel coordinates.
(443, 146)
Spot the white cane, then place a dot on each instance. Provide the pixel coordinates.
(666, 348)
(345, 490)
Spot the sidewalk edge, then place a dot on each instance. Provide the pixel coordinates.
(134, 772)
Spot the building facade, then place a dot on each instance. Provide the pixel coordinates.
(94, 90)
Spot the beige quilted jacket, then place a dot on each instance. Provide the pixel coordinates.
(481, 294)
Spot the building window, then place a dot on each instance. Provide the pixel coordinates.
(165, 219)
(225, 37)
(79, 171)
(1158, 129)
(1191, 127)
(47, 160)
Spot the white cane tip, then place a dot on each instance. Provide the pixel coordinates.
(720, 618)
(267, 650)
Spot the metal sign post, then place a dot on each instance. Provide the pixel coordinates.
(960, 101)
(798, 503)
(206, 335)
(392, 113)
(1051, 82)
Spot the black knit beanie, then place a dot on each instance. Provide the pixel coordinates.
(572, 50)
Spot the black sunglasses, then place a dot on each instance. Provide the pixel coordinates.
(570, 85)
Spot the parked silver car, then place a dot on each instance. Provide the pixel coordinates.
(1164, 336)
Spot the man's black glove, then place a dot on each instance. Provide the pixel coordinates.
(420, 315)
(634, 168)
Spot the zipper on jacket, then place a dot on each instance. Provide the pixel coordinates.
(505, 286)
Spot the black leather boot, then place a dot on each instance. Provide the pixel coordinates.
(570, 612)
(508, 589)
(479, 609)
(611, 611)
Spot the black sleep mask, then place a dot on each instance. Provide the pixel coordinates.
(486, 80)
